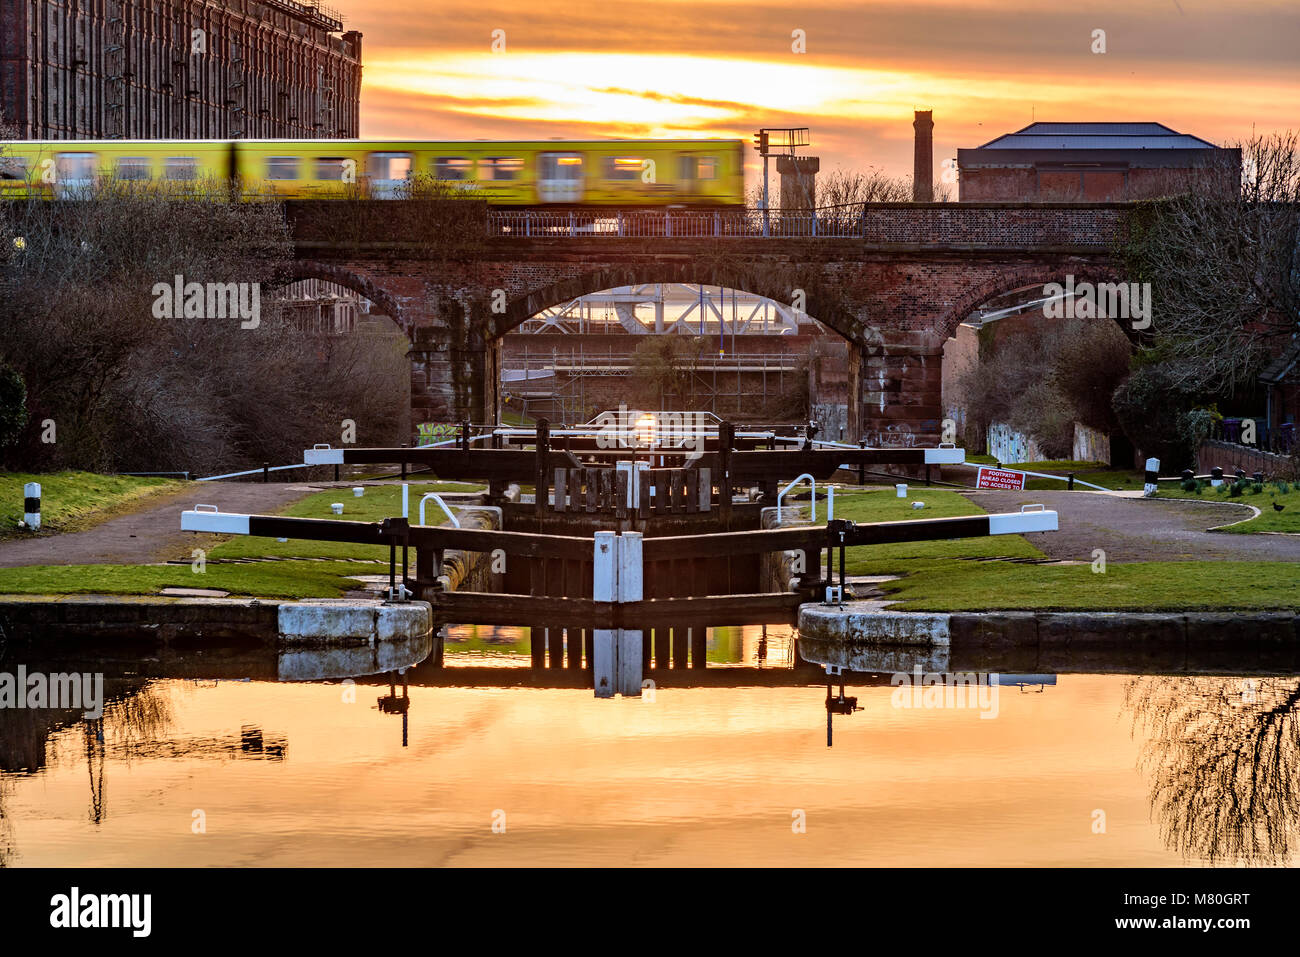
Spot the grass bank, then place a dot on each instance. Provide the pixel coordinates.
(974, 574)
(71, 501)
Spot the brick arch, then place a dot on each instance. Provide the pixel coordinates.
(769, 279)
(1013, 279)
(358, 283)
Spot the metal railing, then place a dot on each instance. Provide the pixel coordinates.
(832, 223)
(1088, 226)
(1280, 440)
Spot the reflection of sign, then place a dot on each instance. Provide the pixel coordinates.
(1000, 478)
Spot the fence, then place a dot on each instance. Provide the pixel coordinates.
(996, 225)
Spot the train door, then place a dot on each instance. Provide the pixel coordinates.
(559, 178)
(389, 174)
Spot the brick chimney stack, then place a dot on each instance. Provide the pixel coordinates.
(923, 161)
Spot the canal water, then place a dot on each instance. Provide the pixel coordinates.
(484, 762)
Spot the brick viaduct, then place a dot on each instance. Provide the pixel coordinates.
(896, 292)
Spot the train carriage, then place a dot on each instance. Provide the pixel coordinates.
(612, 173)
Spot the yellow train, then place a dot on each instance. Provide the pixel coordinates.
(622, 173)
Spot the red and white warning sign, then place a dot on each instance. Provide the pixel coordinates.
(1000, 478)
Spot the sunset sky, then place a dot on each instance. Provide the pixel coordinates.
(585, 68)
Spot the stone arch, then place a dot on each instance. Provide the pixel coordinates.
(358, 283)
(771, 279)
(1024, 276)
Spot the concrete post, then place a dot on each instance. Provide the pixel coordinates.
(798, 182)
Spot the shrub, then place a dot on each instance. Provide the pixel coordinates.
(13, 404)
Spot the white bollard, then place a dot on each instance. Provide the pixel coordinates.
(32, 505)
(1152, 474)
(406, 500)
(337, 508)
(900, 491)
(358, 491)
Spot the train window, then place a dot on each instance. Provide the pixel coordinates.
(336, 169)
(181, 168)
(282, 167)
(623, 167)
(388, 167)
(133, 168)
(75, 169)
(500, 168)
(564, 166)
(13, 167)
(698, 167)
(452, 167)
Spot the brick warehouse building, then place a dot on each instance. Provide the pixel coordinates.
(1089, 162)
(177, 69)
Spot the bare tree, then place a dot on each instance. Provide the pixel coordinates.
(1223, 260)
(129, 380)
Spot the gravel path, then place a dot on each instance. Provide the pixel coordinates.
(152, 534)
(1141, 530)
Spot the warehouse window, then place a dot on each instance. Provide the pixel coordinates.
(282, 167)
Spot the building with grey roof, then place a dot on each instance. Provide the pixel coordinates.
(1089, 162)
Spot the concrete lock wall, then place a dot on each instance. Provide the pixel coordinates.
(472, 571)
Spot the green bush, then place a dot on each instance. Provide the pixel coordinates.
(1157, 417)
(13, 404)
(1190, 485)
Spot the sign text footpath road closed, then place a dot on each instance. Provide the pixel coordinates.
(1000, 478)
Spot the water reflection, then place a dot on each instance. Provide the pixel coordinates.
(1223, 758)
(392, 704)
(837, 705)
(715, 754)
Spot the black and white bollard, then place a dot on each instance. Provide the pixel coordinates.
(1150, 483)
(1216, 476)
(32, 505)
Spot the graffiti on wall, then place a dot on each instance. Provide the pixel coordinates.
(430, 433)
